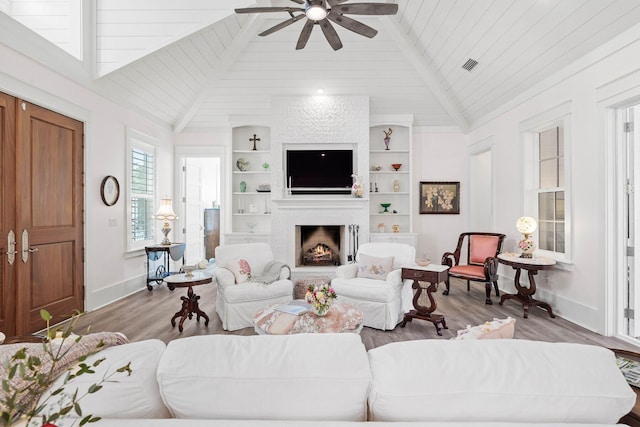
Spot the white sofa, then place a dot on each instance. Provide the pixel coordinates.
(236, 304)
(382, 302)
(330, 379)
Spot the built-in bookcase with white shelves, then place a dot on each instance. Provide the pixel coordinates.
(251, 181)
(390, 179)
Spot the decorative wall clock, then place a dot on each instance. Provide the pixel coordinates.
(110, 190)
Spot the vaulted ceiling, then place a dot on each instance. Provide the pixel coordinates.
(199, 65)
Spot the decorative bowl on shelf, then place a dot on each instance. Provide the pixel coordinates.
(376, 168)
(251, 226)
(263, 188)
(396, 166)
(242, 164)
(423, 262)
(385, 206)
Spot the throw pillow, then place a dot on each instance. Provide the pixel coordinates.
(374, 267)
(241, 270)
(496, 329)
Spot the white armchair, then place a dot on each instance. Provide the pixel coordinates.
(383, 300)
(237, 303)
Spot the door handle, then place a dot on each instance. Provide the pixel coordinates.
(11, 247)
(26, 250)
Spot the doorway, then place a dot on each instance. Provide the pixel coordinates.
(201, 196)
(41, 224)
(628, 119)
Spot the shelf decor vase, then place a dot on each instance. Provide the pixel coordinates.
(243, 186)
(322, 310)
(387, 137)
(356, 189)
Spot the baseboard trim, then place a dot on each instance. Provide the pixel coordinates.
(583, 315)
(117, 291)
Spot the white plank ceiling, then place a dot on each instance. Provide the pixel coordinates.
(199, 64)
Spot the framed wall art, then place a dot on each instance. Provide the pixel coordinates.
(439, 197)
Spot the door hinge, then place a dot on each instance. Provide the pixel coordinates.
(628, 127)
(628, 313)
(629, 188)
(631, 251)
(184, 169)
(184, 231)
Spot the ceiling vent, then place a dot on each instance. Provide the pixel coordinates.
(470, 64)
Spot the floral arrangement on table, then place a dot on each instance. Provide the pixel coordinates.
(32, 370)
(320, 297)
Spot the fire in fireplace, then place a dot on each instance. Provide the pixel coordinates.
(320, 245)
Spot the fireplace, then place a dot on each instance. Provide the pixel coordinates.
(319, 245)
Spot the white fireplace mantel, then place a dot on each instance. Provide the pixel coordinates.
(321, 203)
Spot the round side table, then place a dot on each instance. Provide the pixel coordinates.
(190, 302)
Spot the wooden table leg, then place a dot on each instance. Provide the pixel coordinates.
(425, 312)
(525, 295)
(189, 306)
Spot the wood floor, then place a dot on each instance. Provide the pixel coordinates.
(147, 315)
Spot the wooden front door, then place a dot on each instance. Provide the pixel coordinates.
(7, 212)
(49, 216)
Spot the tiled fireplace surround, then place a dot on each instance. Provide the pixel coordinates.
(317, 122)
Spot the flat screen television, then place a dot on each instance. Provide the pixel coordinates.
(319, 171)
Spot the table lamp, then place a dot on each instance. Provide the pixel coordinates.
(166, 214)
(526, 225)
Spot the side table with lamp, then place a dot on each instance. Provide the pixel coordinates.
(165, 249)
(525, 261)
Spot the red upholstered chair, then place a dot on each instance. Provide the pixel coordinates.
(482, 261)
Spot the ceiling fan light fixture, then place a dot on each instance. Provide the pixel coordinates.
(315, 11)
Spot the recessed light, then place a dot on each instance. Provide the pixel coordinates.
(320, 91)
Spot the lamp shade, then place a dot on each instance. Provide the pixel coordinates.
(526, 225)
(166, 211)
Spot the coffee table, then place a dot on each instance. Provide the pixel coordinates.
(342, 317)
(190, 302)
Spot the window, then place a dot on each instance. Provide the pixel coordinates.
(546, 179)
(551, 190)
(141, 190)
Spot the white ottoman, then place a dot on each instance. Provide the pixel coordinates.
(292, 377)
(497, 381)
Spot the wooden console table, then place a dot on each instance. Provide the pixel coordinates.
(433, 274)
(525, 295)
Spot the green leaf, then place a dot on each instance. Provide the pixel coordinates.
(94, 388)
(46, 316)
(78, 410)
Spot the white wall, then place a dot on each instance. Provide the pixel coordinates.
(109, 273)
(440, 157)
(577, 292)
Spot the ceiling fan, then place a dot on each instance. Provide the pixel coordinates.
(320, 12)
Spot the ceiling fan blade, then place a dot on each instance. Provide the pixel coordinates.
(298, 1)
(281, 25)
(335, 2)
(352, 24)
(305, 34)
(268, 9)
(331, 34)
(367, 8)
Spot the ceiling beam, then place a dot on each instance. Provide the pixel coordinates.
(234, 50)
(426, 72)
